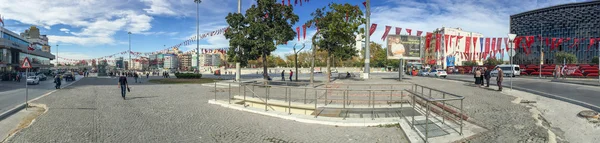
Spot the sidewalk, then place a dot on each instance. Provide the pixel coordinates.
(505, 121)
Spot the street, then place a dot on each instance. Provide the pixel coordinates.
(586, 94)
(13, 93)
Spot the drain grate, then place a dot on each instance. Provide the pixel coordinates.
(433, 129)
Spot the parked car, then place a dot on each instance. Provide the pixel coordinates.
(506, 70)
(68, 76)
(42, 77)
(33, 80)
(438, 73)
(423, 72)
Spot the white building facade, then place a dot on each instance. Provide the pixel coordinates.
(456, 47)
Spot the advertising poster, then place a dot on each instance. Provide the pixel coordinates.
(404, 47)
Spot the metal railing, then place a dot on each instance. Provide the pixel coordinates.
(428, 100)
(332, 95)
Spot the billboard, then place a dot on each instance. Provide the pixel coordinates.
(404, 47)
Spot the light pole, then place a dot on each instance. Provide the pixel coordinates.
(511, 38)
(599, 60)
(367, 40)
(198, 34)
(238, 68)
(129, 52)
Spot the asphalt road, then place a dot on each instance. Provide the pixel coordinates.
(13, 93)
(580, 93)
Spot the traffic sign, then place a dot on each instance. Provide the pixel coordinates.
(26, 64)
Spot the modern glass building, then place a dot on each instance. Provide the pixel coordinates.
(573, 20)
(14, 49)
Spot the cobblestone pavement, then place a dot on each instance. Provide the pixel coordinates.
(505, 121)
(93, 111)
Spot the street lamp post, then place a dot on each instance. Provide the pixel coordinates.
(367, 40)
(57, 66)
(129, 64)
(238, 68)
(198, 34)
(511, 38)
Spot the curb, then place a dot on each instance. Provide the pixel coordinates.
(576, 102)
(22, 105)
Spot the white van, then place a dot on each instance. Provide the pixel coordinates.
(506, 70)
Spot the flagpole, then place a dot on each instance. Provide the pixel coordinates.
(238, 69)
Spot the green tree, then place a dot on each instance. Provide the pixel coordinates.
(337, 28)
(570, 58)
(470, 63)
(595, 60)
(264, 25)
(493, 61)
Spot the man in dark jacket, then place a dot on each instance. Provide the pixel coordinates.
(123, 85)
(500, 78)
(487, 76)
(57, 82)
(283, 75)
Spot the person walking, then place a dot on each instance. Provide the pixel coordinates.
(135, 76)
(282, 75)
(147, 75)
(500, 78)
(57, 81)
(478, 81)
(123, 85)
(291, 74)
(487, 76)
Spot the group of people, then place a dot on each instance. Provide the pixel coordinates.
(283, 75)
(483, 74)
(165, 74)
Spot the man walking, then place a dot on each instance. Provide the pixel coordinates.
(147, 75)
(487, 76)
(123, 85)
(135, 76)
(291, 74)
(500, 78)
(57, 81)
(283, 75)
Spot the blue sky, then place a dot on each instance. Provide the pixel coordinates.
(94, 28)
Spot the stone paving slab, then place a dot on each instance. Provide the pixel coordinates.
(93, 111)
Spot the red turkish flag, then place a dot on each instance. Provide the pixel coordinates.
(457, 40)
(529, 41)
(592, 42)
(398, 30)
(409, 31)
(372, 29)
(493, 47)
(575, 43)
(553, 44)
(387, 30)
(427, 40)
(303, 28)
(475, 39)
(450, 40)
(298, 32)
(468, 45)
(487, 47)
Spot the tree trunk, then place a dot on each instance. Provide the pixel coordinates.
(328, 67)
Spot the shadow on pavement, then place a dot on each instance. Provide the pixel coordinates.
(131, 98)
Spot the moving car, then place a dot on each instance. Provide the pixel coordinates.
(33, 80)
(68, 76)
(506, 70)
(42, 77)
(438, 73)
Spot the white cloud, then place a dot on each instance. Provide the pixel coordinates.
(65, 30)
(159, 7)
(97, 19)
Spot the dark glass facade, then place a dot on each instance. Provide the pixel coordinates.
(574, 20)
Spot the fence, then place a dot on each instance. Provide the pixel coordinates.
(429, 101)
(366, 96)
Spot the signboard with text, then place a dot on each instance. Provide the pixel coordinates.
(404, 47)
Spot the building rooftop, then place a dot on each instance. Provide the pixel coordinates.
(568, 5)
